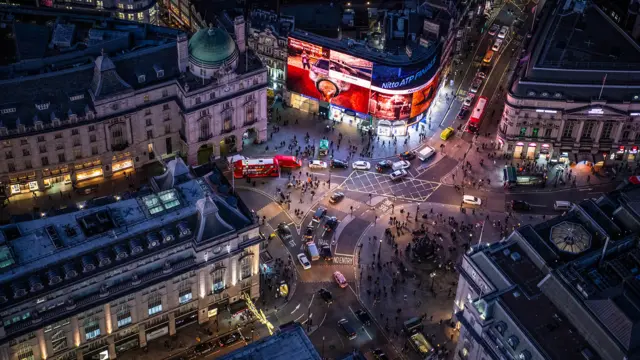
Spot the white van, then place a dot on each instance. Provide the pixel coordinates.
(400, 165)
(426, 153)
(313, 251)
(562, 205)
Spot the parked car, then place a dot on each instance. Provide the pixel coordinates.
(407, 155)
(481, 75)
(336, 197)
(471, 200)
(399, 165)
(284, 231)
(325, 253)
(475, 85)
(363, 316)
(331, 223)
(339, 164)
(347, 329)
(503, 32)
(497, 45)
(304, 261)
(398, 174)
(488, 57)
(494, 29)
(468, 100)
(380, 355)
(340, 279)
(203, 348)
(308, 233)
(318, 164)
(462, 113)
(361, 165)
(520, 205)
(383, 165)
(326, 296)
(230, 339)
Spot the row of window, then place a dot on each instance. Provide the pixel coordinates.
(588, 131)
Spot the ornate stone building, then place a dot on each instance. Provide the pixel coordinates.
(111, 96)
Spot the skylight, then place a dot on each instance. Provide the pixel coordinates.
(164, 200)
(6, 259)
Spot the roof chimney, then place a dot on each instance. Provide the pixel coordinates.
(239, 29)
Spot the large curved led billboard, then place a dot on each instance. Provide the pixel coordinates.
(386, 92)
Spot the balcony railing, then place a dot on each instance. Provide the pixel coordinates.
(119, 147)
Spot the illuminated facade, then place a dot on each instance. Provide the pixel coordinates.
(108, 279)
(151, 98)
(567, 109)
(142, 11)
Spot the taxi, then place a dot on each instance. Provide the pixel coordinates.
(340, 279)
(446, 133)
(488, 56)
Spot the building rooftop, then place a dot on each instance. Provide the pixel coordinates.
(289, 343)
(279, 25)
(544, 322)
(573, 47)
(321, 18)
(36, 256)
(518, 267)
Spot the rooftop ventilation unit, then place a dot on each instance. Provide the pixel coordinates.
(35, 283)
(53, 276)
(88, 264)
(53, 235)
(103, 258)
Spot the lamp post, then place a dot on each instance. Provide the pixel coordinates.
(433, 278)
(379, 249)
(322, 348)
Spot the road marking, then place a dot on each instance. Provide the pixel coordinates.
(312, 296)
(344, 260)
(537, 205)
(366, 332)
(296, 309)
(299, 318)
(587, 189)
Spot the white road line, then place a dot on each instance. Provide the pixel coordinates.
(312, 296)
(366, 332)
(299, 318)
(296, 309)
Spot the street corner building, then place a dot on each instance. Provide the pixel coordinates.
(100, 281)
(83, 98)
(574, 95)
(567, 288)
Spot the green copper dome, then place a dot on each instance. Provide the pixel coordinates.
(212, 47)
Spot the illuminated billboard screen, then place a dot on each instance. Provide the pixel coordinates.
(310, 69)
(389, 107)
(421, 99)
(343, 80)
(392, 79)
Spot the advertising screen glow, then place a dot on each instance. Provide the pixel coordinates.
(346, 81)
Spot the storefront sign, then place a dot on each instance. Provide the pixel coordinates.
(546, 111)
(100, 355)
(122, 165)
(33, 186)
(519, 144)
(634, 150)
(596, 111)
(157, 333)
(621, 149)
(212, 312)
(15, 189)
(532, 144)
(89, 174)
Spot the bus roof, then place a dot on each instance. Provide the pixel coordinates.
(265, 161)
(479, 108)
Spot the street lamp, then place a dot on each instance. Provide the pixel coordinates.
(433, 278)
(379, 249)
(323, 347)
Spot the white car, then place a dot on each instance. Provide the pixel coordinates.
(304, 261)
(401, 165)
(497, 45)
(318, 164)
(471, 200)
(361, 165)
(398, 174)
(503, 32)
(468, 100)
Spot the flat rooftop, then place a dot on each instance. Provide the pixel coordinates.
(516, 265)
(546, 324)
(287, 344)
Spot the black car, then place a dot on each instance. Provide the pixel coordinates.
(380, 355)
(326, 296)
(230, 339)
(336, 197)
(339, 164)
(348, 330)
(308, 233)
(462, 113)
(364, 317)
(325, 252)
(407, 155)
(384, 165)
(284, 232)
(203, 348)
(331, 223)
(520, 205)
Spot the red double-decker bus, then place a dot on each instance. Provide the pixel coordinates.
(288, 161)
(256, 168)
(475, 119)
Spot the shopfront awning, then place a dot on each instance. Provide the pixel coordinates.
(238, 307)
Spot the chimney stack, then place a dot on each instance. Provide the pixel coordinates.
(239, 28)
(183, 52)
